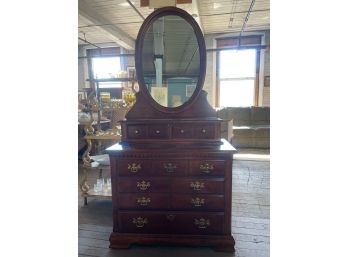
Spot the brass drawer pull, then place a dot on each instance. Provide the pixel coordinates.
(182, 131)
(158, 132)
(136, 131)
(140, 222)
(206, 168)
(197, 202)
(134, 167)
(197, 185)
(169, 167)
(143, 201)
(202, 223)
(171, 217)
(143, 185)
(204, 131)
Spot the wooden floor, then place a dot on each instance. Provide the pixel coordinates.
(250, 220)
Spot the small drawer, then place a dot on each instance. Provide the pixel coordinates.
(182, 131)
(158, 131)
(197, 223)
(197, 202)
(134, 167)
(204, 132)
(197, 186)
(143, 185)
(144, 201)
(169, 167)
(207, 168)
(138, 131)
(143, 222)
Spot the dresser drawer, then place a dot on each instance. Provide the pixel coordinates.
(194, 223)
(213, 186)
(204, 132)
(170, 167)
(136, 131)
(207, 168)
(158, 131)
(182, 131)
(143, 222)
(135, 167)
(143, 185)
(197, 201)
(144, 201)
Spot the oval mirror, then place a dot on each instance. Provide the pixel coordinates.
(172, 57)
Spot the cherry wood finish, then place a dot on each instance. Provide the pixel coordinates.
(171, 173)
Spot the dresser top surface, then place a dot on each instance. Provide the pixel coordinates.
(225, 146)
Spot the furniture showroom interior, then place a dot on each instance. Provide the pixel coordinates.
(174, 128)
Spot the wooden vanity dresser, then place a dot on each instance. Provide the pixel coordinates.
(171, 173)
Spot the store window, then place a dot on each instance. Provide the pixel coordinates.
(237, 83)
(104, 67)
(107, 68)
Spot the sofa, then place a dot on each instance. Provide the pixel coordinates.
(246, 127)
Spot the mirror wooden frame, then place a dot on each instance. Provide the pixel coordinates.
(138, 57)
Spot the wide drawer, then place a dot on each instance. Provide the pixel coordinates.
(143, 185)
(197, 201)
(134, 167)
(193, 185)
(144, 201)
(195, 223)
(207, 168)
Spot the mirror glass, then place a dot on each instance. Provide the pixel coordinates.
(170, 60)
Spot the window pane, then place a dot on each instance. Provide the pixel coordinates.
(234, 93)
(105, 68)
(237, 63)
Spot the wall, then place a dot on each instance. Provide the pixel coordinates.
(210, 79)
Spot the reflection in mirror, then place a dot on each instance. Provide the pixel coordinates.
(170, 60)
